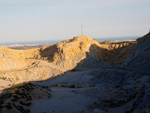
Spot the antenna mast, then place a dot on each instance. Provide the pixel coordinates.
(81, 29)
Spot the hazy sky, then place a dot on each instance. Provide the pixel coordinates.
(33, 20)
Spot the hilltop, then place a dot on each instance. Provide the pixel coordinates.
(88, 76)
(56, 59)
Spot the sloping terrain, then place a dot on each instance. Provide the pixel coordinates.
(47, 62)
(69, 53)
(139, 59)
(87, 76)
(24, 54)
(111, 88)
(19, 98)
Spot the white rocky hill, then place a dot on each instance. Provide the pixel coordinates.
(78, 75)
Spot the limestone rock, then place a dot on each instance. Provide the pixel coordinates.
(69, 53)
(53, 60)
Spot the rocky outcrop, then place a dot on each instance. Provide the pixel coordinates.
(22, 65)
(47, 62)
(116, 74)
(69, 53)
(139, 59)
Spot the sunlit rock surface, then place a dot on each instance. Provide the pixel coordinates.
(88, 76)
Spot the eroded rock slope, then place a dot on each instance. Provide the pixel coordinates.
(40, 64)
(114, 77)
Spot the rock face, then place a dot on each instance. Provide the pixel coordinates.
(115, 74)
(40, 64)
(23, 65)
(139, 59)
(69, 53)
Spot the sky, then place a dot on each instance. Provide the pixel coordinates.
(35, 20)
